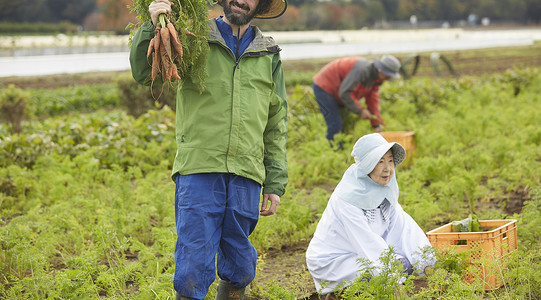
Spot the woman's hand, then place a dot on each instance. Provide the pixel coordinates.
(158, 7)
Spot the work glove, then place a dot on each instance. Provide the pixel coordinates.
(158, 7)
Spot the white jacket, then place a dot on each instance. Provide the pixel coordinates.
(361, 220)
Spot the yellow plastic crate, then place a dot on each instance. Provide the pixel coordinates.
(487, 250)
(404, 138)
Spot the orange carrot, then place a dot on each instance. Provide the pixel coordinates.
(172, 31)
(157, 39)
(175, 41)
(165, 65)
(174, 71)
(190, 33)
(150, 47)
(178, 47)
(156, 62)
(166, 41)
(170, 71)
(155, 65)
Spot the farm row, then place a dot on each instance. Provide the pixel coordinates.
(86, 195)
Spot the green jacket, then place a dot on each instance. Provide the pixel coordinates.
(238, 124)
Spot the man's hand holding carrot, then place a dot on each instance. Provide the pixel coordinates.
(158, 7)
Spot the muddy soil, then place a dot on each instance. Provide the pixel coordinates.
(286, 267)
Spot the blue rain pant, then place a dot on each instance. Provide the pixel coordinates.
(330, 110)
(215, 213)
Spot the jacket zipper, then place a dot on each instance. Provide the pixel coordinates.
(237, 60)
(238, 46)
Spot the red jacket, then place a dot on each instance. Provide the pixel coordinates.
(349, 79)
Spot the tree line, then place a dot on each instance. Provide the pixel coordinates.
(301, 14)
(88, 14)
(355, 14)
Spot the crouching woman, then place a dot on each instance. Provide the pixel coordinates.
(363, 219)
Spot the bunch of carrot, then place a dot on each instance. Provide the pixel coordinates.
(167, 50)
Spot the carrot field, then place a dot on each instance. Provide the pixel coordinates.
(86, 197)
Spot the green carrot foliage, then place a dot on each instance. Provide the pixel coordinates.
(191, 15)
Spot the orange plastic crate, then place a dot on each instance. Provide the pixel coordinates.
(404, 138)
(487, 250)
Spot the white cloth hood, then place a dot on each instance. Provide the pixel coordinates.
(356, 187)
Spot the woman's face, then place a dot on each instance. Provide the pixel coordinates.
(384, 170)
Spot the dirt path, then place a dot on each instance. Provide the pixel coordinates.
(286, 267)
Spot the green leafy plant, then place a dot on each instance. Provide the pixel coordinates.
(273, 291)
(519, 78)
(378, 281)
(470, 224)
(137, 99)
(80, 98)
(13, 102)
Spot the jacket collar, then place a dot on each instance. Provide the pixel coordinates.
(374, 75)
(261, 45)
(372, 79)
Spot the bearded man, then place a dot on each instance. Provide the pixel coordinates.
(231, 147)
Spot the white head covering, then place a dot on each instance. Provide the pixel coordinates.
(356, 187)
